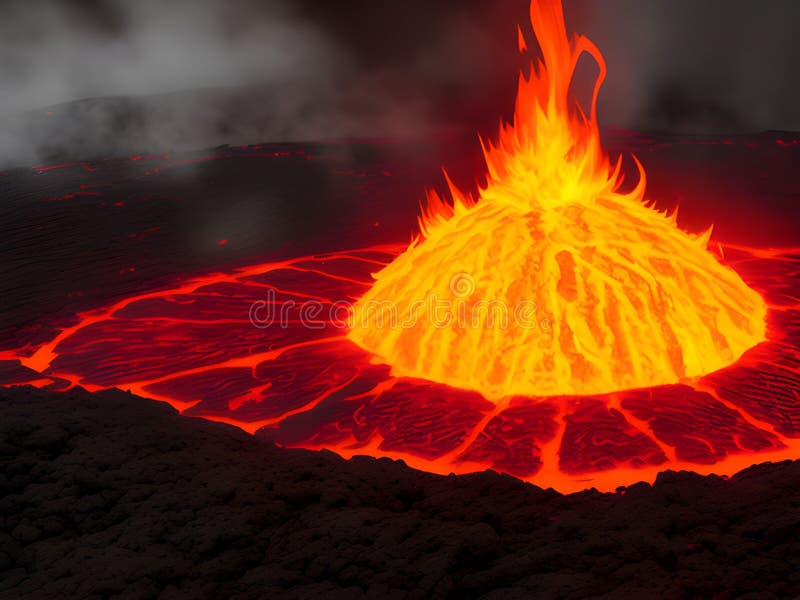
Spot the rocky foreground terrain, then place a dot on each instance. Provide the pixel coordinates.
(107, 495)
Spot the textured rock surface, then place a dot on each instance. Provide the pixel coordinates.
(108, 495)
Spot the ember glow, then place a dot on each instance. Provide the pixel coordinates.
(305, 384)
(622, 298)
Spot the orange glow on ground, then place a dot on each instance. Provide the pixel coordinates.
(614, 295)
(194, 346)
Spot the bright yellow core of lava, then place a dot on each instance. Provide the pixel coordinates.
(552, 281)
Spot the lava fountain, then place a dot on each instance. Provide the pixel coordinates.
(553, 281)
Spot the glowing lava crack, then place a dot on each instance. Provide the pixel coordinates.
(623, 298)
(194, 346)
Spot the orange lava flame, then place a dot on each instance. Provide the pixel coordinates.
(554, 281)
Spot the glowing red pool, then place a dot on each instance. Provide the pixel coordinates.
(304, 384)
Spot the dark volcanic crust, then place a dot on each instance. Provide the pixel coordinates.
(110, 495)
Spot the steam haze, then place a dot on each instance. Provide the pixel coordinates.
(696, 66)
(121, 77)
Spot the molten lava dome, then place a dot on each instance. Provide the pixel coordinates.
(554, 327)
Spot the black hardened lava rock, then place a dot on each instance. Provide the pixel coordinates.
(107, 495)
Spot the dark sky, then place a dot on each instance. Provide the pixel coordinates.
(681, 65)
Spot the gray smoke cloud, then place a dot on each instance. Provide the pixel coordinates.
(90, 78)
(696, 66)
(56, 52)
(86, 79)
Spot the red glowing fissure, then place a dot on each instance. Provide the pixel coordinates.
(306, 385)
